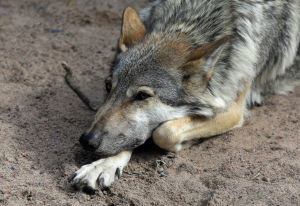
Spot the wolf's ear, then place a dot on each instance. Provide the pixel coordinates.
(201, 62)
(133, 29)
(207, 49)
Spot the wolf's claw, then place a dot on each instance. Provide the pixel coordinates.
(118, 172)
(71, 178)
(101, 180)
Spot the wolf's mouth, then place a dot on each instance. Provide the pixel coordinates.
(104, 154)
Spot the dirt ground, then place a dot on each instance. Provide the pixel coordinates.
(41, 120)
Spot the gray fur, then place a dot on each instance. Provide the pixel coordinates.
(265, 40)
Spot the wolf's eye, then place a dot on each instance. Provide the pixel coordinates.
(108, 87)
(142, 96)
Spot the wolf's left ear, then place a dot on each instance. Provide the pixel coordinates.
(201, 62)
(133, 29)
(208, 49)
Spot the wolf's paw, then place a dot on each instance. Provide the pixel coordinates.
(101, 173)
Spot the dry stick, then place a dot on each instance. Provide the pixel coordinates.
(79, 93)
(257, 174)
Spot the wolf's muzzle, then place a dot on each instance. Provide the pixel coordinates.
(90, 141)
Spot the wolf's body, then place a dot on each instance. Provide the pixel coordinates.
(264, 43)
(190, 69)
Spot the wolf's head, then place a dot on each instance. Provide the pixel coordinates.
(155, 78)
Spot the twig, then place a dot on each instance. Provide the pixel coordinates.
(257, 174)
(79, 93)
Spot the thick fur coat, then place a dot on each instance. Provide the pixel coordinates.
(265, 39)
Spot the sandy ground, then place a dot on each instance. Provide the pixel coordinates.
(41, 120)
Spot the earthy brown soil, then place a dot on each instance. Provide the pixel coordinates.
(41, 119)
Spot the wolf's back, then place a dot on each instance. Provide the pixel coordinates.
(265, 39)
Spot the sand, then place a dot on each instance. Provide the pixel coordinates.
(41, 120)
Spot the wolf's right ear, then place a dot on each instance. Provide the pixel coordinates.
(133, 29)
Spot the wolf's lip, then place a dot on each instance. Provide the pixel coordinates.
(89, 149)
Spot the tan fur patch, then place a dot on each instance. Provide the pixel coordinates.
(170, 52)
(171, 134)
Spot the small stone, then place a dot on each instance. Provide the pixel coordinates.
(205, 170)
(164, 175)
(42, 172)
(265, 179)
(268, 135)
(55, 31)
(171, 156)
(49, 85)
(139, 160)
(13, 167)
(160, 170)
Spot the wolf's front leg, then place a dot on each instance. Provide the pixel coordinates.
(180, 134)
(102, 172)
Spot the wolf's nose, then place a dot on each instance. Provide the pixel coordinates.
(90, 141)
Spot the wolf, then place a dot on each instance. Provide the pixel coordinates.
(188, 69)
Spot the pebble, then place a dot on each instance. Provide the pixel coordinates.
(139, 160)
(55, 31)
(268, 135)
(42, 172)
(160, 170)
(171, 156)
(205, 170)
(13, 167)
(163, 175)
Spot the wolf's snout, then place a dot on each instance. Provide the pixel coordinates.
(90, 141)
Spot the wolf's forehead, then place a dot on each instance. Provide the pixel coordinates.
(168, 53)
(135, 59)
(135, 66)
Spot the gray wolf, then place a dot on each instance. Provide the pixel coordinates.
(188, 69)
